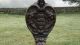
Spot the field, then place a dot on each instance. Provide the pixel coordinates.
(13, 30)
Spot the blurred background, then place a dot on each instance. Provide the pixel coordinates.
(13, 29)
(20, 6)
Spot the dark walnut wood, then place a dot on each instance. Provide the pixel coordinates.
(40, 19)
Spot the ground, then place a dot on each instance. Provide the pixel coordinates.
(13, 30)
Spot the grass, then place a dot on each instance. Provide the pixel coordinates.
(13, 30)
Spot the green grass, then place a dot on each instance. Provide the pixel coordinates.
(13, 30)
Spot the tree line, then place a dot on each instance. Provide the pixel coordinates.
(22, 11)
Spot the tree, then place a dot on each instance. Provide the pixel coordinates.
(73, 1)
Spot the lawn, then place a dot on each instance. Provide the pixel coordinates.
(13, 30)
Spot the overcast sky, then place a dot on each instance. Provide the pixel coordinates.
(27, 3)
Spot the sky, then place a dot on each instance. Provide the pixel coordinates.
(27, 3)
